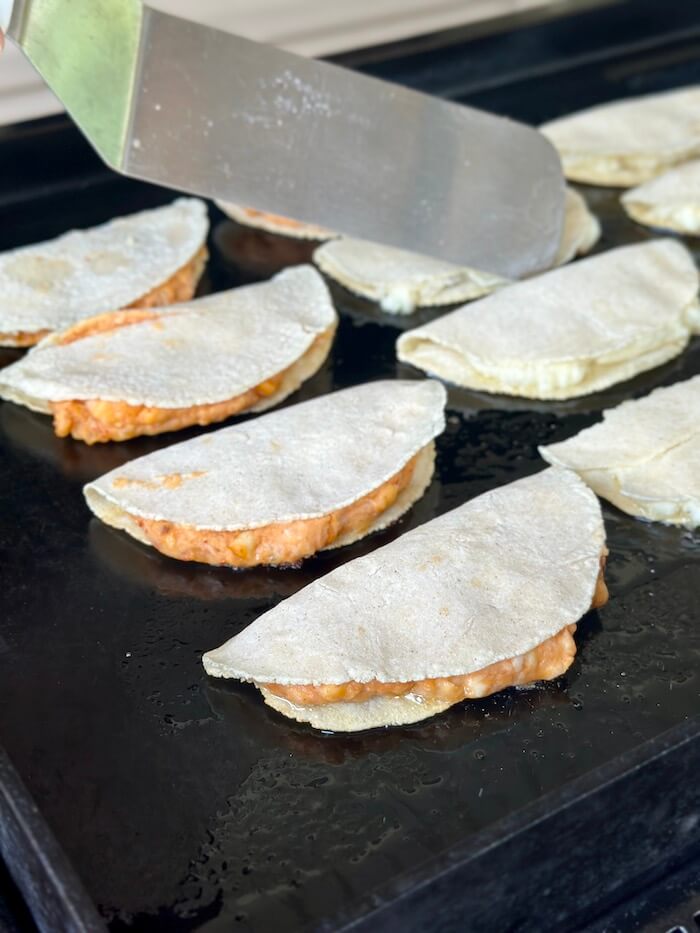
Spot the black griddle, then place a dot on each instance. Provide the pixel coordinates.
(186, 804)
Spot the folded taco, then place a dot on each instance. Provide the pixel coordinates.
(670, 201)
(569, 332)
(644, 456)
(129, 373)
(483, 598)
(273, 491)
(400, 281)
(149, 259)
(274, 223)
(628, 141)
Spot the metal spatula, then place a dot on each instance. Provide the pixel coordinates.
(197, 109)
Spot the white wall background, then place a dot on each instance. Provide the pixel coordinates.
(309, 27)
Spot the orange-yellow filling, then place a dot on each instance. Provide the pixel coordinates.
(23, 338)
(179, 287)
(277, 544)
(96, 421)
(103, 323)
(544, 662)
(600, 594)
(252, 214)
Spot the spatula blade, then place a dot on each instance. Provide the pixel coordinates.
(204, 111)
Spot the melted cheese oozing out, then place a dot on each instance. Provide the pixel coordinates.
(96, 421)
(544, 662)
(609, 484)
(549, 380)
(179, 287)
(543, 379)
(278, 544)
(684, 514)
(401, 299)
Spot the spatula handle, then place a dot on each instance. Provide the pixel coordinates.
(5, 15)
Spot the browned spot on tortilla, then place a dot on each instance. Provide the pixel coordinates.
(179, 287)
(38, 272)
(107, 262)
(431, 561)
(171, 481)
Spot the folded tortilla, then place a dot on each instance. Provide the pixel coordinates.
(144, 372)
(484, 597)
(629, 141)
(274, 223)
(401, 281)
(571, 331)
(326, 473)
(671, 201)
(145, 260)
(644, 456)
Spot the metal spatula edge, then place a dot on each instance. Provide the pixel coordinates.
(201, 110)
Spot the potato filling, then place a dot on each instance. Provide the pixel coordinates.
(179, 287)
(544, 662)
(276, 219)
(23, 338)
(97, 420)
(103, 323)
(280, 543)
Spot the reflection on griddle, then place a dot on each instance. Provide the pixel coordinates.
(644, 551)
(256, 254)
(145, 566)
(242, 707)
(33, 433)
(8, 356)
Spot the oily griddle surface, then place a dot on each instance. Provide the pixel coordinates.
(181, 799)
(185, 803)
